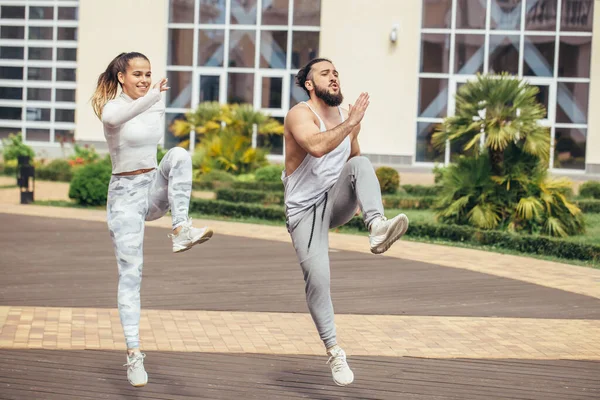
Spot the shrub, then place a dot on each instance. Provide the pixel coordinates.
(13, 147)
(269, 173)
(389, 179)
(56, 170)
(590, 189)
(90, 184)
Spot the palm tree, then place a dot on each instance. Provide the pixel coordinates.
(225, 135)
(501, 112)
(502, 179)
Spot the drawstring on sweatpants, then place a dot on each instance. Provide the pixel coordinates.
(312, 229)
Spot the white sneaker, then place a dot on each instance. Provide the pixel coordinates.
(385, 232)
(341, 372)
(189, 236)
(136, 374)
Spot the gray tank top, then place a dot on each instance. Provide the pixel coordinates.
(314, 177)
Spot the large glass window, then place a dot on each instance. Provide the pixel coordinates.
(240, 51)
(546, 42)
(38, 64)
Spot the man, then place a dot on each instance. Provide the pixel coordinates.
(325, 180)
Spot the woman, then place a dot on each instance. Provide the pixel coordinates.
(139, 190)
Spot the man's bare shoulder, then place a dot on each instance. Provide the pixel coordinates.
(299, 110)
(298, 114)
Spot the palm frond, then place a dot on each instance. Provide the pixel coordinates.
(529, 208)
(484, 216)
(554, 227)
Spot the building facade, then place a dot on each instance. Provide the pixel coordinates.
(410, 55)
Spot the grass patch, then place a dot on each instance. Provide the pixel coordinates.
(8, 186)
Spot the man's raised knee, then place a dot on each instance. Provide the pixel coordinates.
(360, 162)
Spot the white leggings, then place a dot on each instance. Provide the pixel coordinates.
(131, 201)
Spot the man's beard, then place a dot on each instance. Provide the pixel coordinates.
(332, 100)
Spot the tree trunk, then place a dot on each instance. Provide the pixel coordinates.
(497, 160)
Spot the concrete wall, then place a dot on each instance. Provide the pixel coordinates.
(107, 28)
(358, 43)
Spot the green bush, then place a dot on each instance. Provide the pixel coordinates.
(269, 173)
(590, 189)
(13, 147)
(455, 233)
(90, 184)
(250, 196)
(589, 206)
(56, 170)
(389, 179)
(421, 190)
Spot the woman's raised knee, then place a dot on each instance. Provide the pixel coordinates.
(178, 153)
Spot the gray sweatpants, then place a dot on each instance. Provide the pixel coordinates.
(357, 186)
(131, 201)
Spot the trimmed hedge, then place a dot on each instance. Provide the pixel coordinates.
(269, 173)
(265, 186)
(421, 190)
(589, 206)
(215, 185)
(276, 198)
(590, 189)
(250, 196)
(239, 210)
(504, 240)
